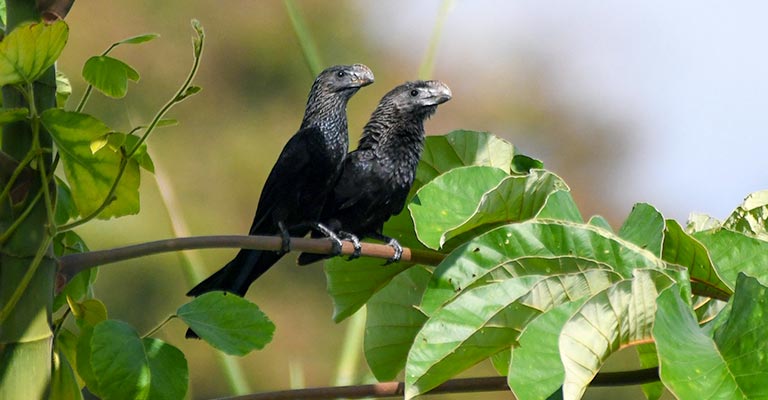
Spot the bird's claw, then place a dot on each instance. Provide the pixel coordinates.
(285, 236)
(398, 251)
(335, 241)
(355, 242)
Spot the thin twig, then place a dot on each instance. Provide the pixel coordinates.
(465, 385)
(71, 264)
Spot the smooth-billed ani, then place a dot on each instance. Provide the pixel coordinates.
(300, 180)
(377, 176)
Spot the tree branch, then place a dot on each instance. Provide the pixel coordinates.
(71, 264)
(465, 385)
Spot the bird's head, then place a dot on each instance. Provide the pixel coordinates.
(344, 79)
(418, 98)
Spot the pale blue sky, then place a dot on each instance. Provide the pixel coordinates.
(689, 78)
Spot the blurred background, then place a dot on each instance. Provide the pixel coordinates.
(628, 102)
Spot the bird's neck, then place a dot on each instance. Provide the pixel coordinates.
(328, 113)
(403, 141)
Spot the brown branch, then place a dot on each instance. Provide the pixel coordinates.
(73, 263)
(465, 385)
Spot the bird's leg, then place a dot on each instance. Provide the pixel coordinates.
(392, 242)
(335, 241)
(355, 242)
(285, 245)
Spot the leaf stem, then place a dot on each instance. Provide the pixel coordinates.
(308, 47)
(428, 64)
(159, 326)
(16, 173)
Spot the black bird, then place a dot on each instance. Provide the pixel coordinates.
(377, 176)
(295, 191)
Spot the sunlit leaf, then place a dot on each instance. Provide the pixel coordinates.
(450, 199)
(734, 252)
(63, 383)
(29, 50)
(560, 205)
(109, 75)
(63, 89)
(751, 217)
(472, 262)
(168, 368)
(91, 175)
(119, 361)
(488, 319)
(139, 39)
(615, 317)
(732, 364)
(462, 148)
(644, 227)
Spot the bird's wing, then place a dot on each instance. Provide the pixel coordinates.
(278, 193)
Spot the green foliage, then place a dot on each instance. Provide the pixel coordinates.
(227, 322)
(109, 75)
(527, 283)
(29, 50)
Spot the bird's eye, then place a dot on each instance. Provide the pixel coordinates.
(340, 74)
(414, 93)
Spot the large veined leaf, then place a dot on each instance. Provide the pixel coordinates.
(29, 50)
(560, 205)
(751, 217)
(450, 199)
(352, 283)
(91, 175)
(393, 322)
(682, 249)
(535, 370)
(615, 317)
(488, 319)
(462, 148)
(645, 228)
(732, 363)
(513, 199)
(470, 263)
(734, 252)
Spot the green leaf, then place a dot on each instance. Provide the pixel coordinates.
(81, 286)
(600, 222)
(63, 383)
(682, 249)
(139, 39)
(462, 148)
(535, 370)
(83, 358)
(89, 312)
(450, 199)
(488, 319)
(91, 175)
(734, 252)
(65, 343)
(586, 246)
(190, 91)
(701, 222)
(646, 352)
(168, 368)
(63, 89)
(109, 75)
(29, 50)
(393, 322)
(560, 205)
(8, 115)
(615, 317)
(65, 204)
(644, 227)
(751, 217)
(514, 199)
(227, 322)
(732, 365)
(141, 155)
(522, 164)
(119, 361)
(352, 283)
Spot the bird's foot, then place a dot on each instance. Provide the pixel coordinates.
(355, 242)
(285, 236)
(398, 251)
(335, 241)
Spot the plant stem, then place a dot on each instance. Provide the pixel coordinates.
(15, 225)
(158, 327)
(308, 47)
(22, 285)
(351, 349)
(465, 385)
(428, 64)
(16, 172)
(71, 264)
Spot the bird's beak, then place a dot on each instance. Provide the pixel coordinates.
(439, 93)
(363, 75)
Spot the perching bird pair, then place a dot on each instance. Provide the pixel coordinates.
(316, 185)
